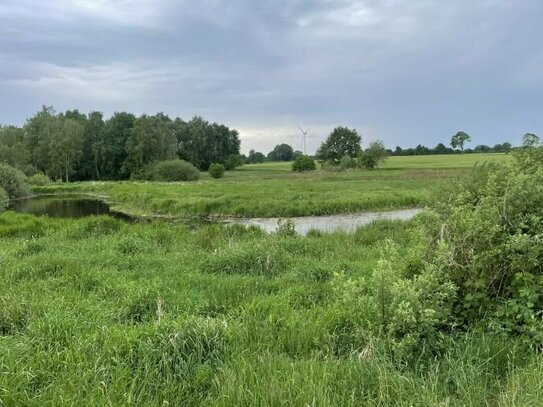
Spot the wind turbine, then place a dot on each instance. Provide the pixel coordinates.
(304, 135)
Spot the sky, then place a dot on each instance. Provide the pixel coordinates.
(402, 71)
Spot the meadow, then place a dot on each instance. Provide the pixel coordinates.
(273, 190)
(100, 312)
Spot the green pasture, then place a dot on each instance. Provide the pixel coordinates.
(272, 189)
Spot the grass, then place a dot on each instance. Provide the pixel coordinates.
(272, 189)
(98, 312)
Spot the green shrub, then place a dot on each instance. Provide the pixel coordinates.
(175, 170)
(4, 199)
(405, 312)
(216, 170)
(39, 180)
(374, 155)
(348, 163)
(13, 182)
(286, 227)
(233, 161)
(486, 238)
(330, 166)
(304, 163)
(169, 171)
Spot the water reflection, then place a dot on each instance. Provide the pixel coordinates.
(64, 207)
(333, 223)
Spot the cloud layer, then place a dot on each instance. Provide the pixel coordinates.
(405, 71)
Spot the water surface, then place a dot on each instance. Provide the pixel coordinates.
(331, 223)
(76, 206)
(70, 206)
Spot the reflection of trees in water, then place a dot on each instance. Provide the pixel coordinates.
(62, 207)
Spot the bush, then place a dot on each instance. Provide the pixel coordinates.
(347, 163)
(374, 155)
(4, 199)
(216, 170)
(169, 171)
(233, 161)
(39, 180)
(304, 163)
(13, 182)
(403, 311)
(487, 239)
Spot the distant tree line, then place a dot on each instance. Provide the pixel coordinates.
(75, 146)
(442, 149)
(281, 152)
(345, 142)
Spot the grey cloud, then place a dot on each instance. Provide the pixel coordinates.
(407, 72)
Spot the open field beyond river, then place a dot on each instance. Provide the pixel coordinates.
(273, 190)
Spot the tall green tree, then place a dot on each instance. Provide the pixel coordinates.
(89, 167)
(152, 138)
(530, 140)
(66, 149)
(341, 142)
(459, 139)
(111, 150)
(255, 157)
(202, 143)
(282, 152)
(39, 132)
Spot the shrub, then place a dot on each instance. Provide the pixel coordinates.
(216, 170)
(405, 312)
(487, 239)
(13, 182)
(330, 166)
(169, 171)
(4, 199)
(304, 163)
(374, 155)
(286, 227)
(233, 161)
(39, 180)
(347, 163)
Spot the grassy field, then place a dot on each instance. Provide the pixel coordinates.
(272, 189)
(97, 312)
(100, 312)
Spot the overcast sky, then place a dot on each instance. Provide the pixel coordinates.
(404, 71)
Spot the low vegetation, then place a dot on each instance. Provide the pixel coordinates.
(273, 189)
(4, 199)
(13, 182)
(169, 171)
(216, 170)
(442, 310)
(38, 180)
(304, 163)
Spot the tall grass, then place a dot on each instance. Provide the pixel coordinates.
(102, 313)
